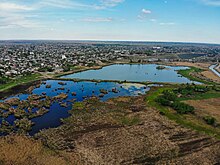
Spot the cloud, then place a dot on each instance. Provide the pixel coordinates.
(144, 11)
(211, 2)
(104, 4)
(17, 20)
(167, 23)
(16, 15)
(14, 7)
(65, 4)
(19, 14)
(111, 3)
(68, 4)
(97, 20)
(143, 15)
(153, 20)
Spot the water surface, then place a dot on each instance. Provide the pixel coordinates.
(82, 89)
(134, 73)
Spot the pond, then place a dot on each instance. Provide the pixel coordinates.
(134, 73)
(58, 108)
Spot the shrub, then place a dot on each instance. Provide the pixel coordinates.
(209, 120)
(182, 108)
(169, 95)
(163, 101)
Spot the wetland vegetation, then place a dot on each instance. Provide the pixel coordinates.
(69, 118)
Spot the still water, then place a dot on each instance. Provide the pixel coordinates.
(133, 73)
(82, 90)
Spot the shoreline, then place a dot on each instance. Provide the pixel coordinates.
(12, 90)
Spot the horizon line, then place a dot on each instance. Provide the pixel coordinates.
(97, 40)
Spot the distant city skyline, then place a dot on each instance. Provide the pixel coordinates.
(111, 20)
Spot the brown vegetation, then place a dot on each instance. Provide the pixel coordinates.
(207, 73)
(122, 130)
(189, 64)
(21, 150)
(207, 107)
(115, 133)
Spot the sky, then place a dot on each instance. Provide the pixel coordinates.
(130, 20)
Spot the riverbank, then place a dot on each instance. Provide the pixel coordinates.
(19, 81)
(198, 72)
(25, 81)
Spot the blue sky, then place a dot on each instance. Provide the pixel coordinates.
(139, 20)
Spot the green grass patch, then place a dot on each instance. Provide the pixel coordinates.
(78, 106)
(188, 121)
(202, 96)
(187, 73)
(19, 80)
(129, 121)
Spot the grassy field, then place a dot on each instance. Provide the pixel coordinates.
(187, 73)
(207, 95)
(20, 80)
(188, 120)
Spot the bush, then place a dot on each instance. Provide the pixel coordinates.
(169, 95)
(209, 120)
(182, 108)
(66, 69)
(4, 80)
(169, 98)
(46, 69)
(163, 101)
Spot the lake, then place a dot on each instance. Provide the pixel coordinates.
(45, 109)
(133, 73)
(82, 91)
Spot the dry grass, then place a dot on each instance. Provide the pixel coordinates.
(207, 107)
(197, 65)
(209, 74)
(205, 66)
(113, 135)
(21, 150)
(106, 133)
